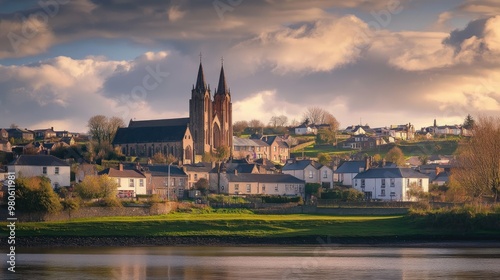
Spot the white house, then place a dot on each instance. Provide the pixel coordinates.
(390, 183)
(346, 172)
(131, 182)
(57, 170)
(262, 184)
(304, 129)
(310, 171)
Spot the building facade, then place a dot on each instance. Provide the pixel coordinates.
(57, 170)
(209, 126)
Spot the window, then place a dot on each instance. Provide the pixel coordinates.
(249, 188)
(56, 185)
(362, 183)
(419, 182)
(392, 183)
(131, 183)
(141, 183)
(274, 148)
(196, 177)
(407, 182)
(393, 194)
(276, 189)
(382, 192)
(44, 170)
(311, 174)
(383, 183)
(325, 173)
(263, 188)
(236, 187)
(57, 171)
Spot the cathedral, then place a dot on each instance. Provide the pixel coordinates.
(209, 126)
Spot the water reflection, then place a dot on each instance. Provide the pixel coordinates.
(275, 262)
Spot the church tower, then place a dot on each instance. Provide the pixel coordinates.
(223, 113)
(200, 114)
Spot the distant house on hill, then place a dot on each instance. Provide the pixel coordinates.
(249, 148)
(362, 141)
(46, 133)
(306, 128)
(20, 134)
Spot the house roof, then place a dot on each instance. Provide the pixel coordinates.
(199, 167)
(301, 165)
(161, 170)
(248, 142)
(390, 173)
(442, 177)
(240, 167)
(270, 139)
(39, 160)
(351, 166)
(150, 134)
(163, 122)
(126, 173)
(264, 178)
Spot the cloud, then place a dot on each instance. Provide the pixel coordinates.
(481, 7)
(318, 46)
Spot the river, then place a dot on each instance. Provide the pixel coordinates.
(263, 262)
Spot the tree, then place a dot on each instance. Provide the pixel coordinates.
(13, 125)
(202, 185)
(324, 158)
(255, 124)
(478, 164)
(239, 127)
(377, 158)
(396, 156)
(278, 121)
(469, 122)
(97, 187)
(424, 159)
(103, 129)
(159, 158)
(315, 115)
(221, 154)
(35, 194)
(414, 191)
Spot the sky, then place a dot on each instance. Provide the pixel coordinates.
(372, 62)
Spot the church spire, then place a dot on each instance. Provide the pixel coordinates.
(200, 80)
(222, 87)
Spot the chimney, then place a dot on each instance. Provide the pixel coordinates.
(235, 172)
(383, 162)
(367, 163)
(120, 166)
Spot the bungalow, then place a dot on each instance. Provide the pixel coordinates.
(57, 170)
(310, 171)
(262, 184)
(45, 133)
(20, 134)
(130, 182)
(390, 183)
(362, 141)
(305, 128)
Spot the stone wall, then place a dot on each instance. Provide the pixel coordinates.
(332, 211)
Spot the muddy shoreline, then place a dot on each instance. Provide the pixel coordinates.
(124, 241)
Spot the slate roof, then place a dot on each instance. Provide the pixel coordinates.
(442, 177)
(270, 139)
(240, 167)
(162, 170)
(39, 160)
(199, 167)
(351, 166)
(301, 165)
(126, 173)
(149, 134)
(163, 122)
(264, 178)
(248, 142)
(390, 173)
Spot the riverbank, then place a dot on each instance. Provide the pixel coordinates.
(387, 241)
(214, 229)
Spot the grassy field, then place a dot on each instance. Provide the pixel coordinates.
(433, 147)
(236, 225)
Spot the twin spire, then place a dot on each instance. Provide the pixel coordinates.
(201, 85)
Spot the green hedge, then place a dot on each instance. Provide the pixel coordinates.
(343, 195)
(281, 199)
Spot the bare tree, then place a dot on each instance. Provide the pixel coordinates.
(239, 127)
(478, 163)
(278, 121)
(315, 115)
(102, 129)
(255, 124)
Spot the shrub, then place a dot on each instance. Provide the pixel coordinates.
(281, 199)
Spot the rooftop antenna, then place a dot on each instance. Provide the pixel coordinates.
(200, 57)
